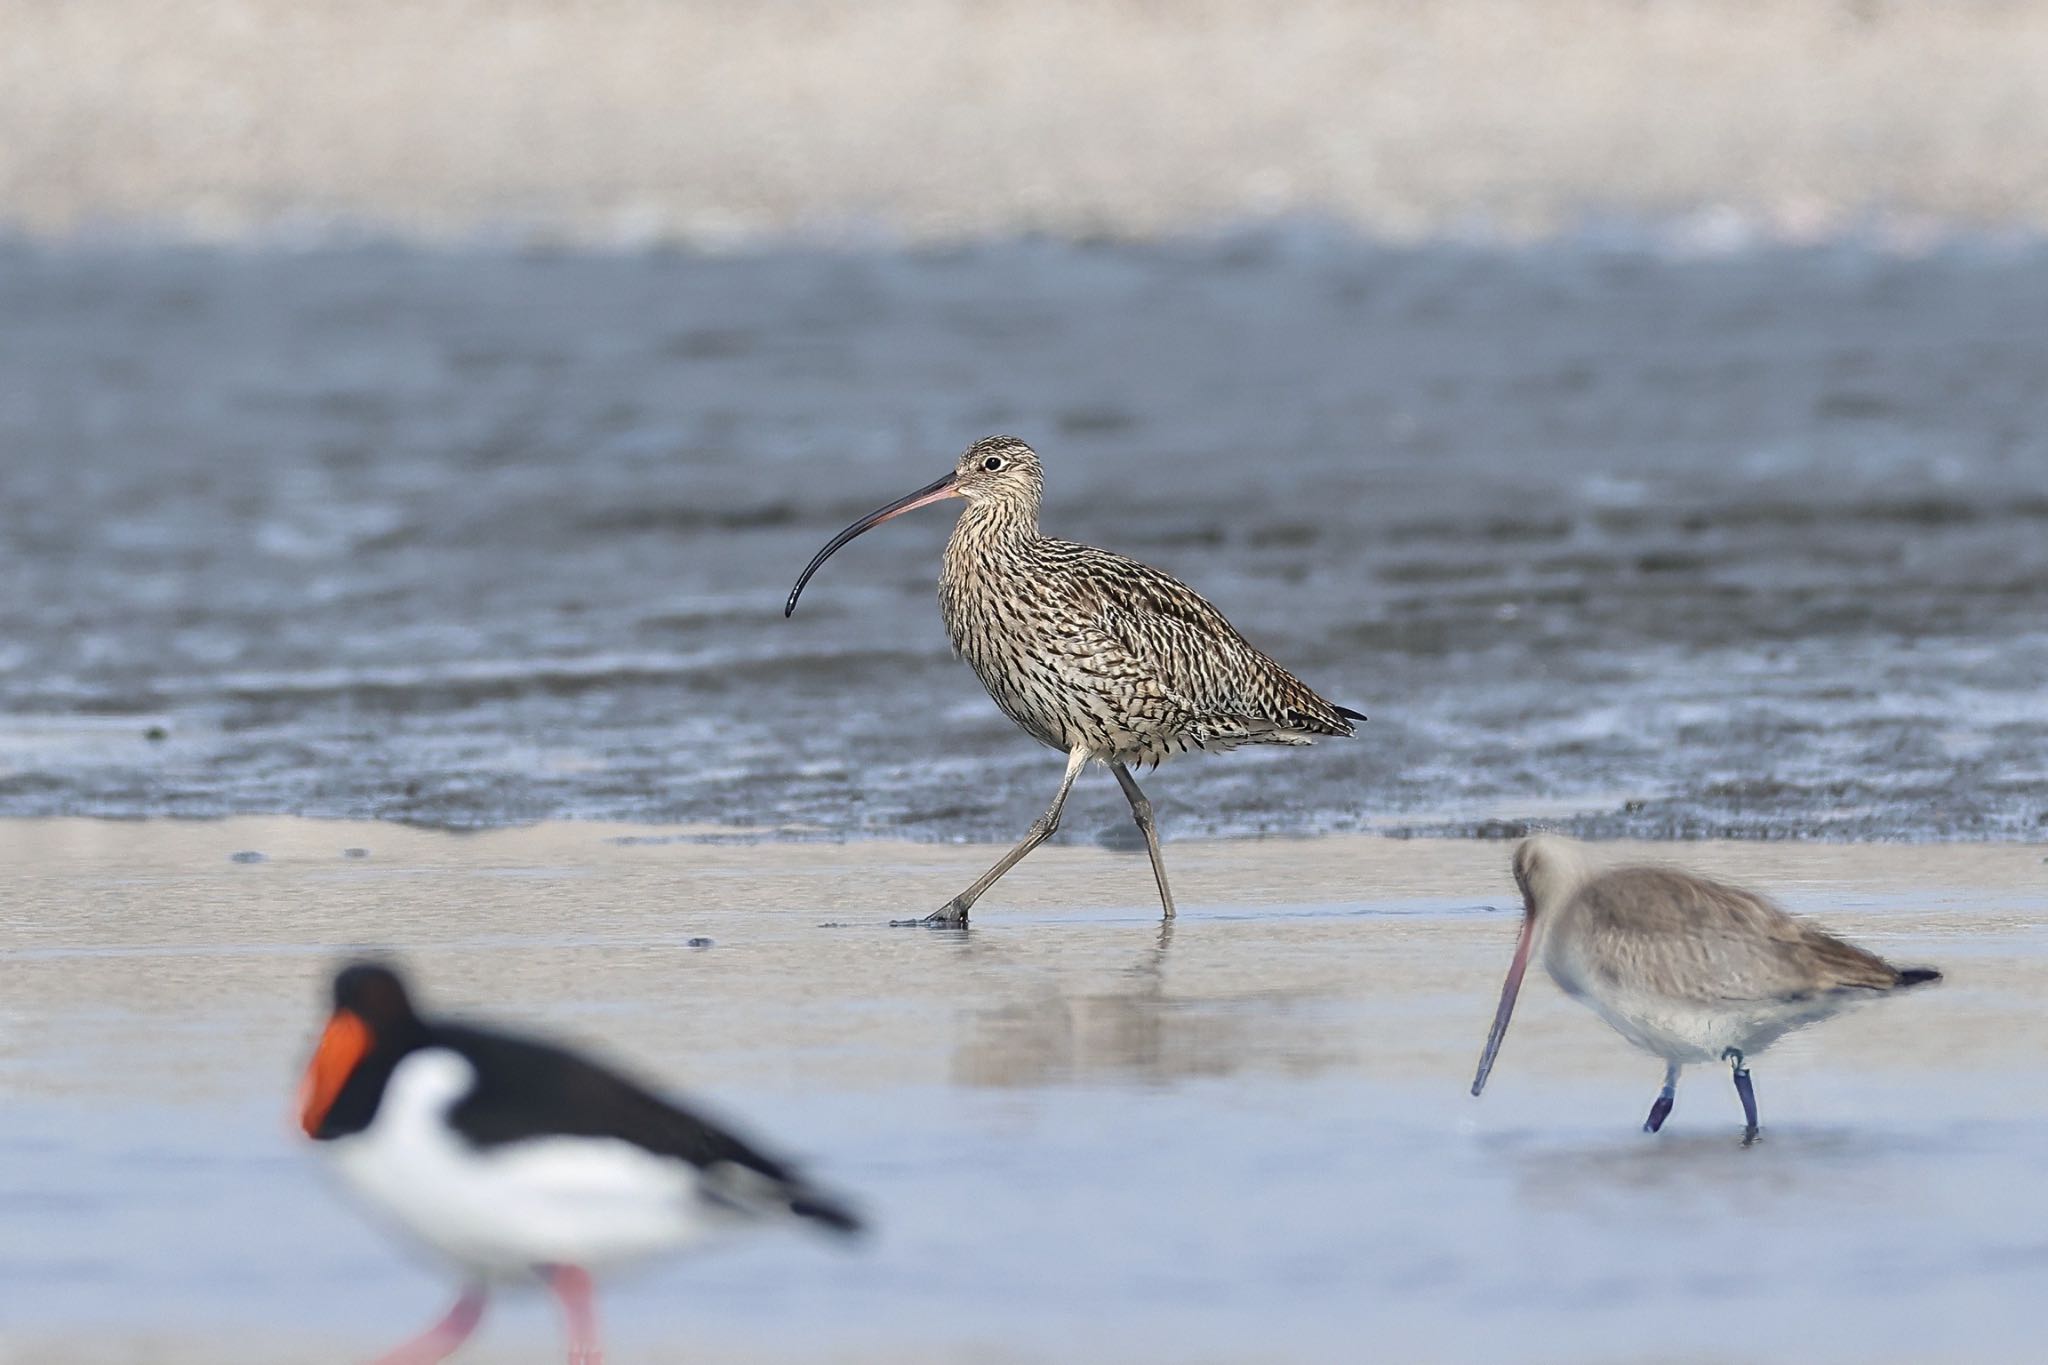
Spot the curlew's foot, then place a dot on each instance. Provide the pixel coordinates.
(954, 916)
(1659, 1111)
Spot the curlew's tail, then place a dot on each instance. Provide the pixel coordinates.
(1916, 976)
(1349, 714)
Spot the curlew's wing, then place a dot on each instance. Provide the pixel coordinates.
(1700, 940)
(1173, 639)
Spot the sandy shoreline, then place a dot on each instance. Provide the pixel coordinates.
(1288, 1064)
(359, 882)
(635, 121)
(561, 914)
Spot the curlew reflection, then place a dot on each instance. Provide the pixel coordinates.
(1132, 1025)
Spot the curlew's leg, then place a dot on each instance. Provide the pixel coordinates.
(571, 1285)
(1141, 811)
(1747, 1092)
(955, 913)
(438, 1342)
(1660, 1109)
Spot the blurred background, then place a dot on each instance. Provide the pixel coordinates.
(419, 410)
(638, 122)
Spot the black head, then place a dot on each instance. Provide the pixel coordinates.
(372, 1026)
(374, 993)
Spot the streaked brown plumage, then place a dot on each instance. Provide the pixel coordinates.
(1689, 969)
(1091, 652)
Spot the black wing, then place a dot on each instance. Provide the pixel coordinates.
(527, 1089)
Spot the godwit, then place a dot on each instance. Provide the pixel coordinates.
(1688, 969)
(513, 1157)
(1092, 653)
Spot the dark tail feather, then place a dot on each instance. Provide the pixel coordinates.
(1349, 714)
(824, 1209)
(1916, 976)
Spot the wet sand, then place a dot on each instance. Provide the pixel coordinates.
(1754, 547)
(1081, 1138)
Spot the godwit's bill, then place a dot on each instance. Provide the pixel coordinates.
(1510, 989)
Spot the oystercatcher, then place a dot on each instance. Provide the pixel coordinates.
(513, 1157)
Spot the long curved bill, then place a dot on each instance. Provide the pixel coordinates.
(930, 493)
(1508, 991)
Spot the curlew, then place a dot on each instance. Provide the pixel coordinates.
(514, 1158)
(1097, 655)
(1687, 969)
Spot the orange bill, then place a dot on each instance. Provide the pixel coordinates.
(342, 1045)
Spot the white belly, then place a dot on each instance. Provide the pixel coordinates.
(552, 1201)
(1685, 1031)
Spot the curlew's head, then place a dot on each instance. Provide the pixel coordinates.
(1000, 469)
(996, 470)
(1548, 869)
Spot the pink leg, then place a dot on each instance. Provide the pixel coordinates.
(438, 1342)
(572, 1286)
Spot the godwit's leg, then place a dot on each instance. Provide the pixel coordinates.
(572, 1288)
(955, 913)
(1141, 811)
(438, 1342)
(1660, 1110)
(1748, 1093)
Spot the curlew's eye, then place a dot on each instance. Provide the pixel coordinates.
(992, 463)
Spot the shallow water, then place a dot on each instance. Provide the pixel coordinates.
(1247, 1140)
(1753, 545)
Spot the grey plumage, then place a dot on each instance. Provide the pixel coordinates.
(1706, 942)
(1686, 968)
(1089, 651)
